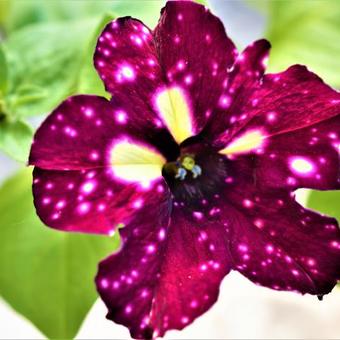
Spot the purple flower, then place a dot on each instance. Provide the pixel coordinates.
(195, 158)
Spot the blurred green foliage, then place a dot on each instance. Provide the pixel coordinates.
(326, 202)
(305, 32)
(47, 52)
(31, 69)
(3, 73)
(46, 275)
(22, 13)
(16, 138)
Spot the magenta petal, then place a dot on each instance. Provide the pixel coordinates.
(188, 49)
(243, 79)
(291, 100)
(195, 53)
(164, 277)
(89, 201)
(246, 74)
(126, 60)
(75, 135)
(277, 243)
(307, 158)
(79, 133)
(250, 66)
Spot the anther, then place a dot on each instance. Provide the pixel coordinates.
(181, 173)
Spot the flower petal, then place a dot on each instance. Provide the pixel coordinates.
(194, 52)
(283, 102)
(79, 134)
(291, 100)
(91, 174)
(126, 60)
(243, 80)
(279, 244)
(90, 201)
(305, 158)
(131, 59)
(164, 277)
(296, 125)
(249, 68)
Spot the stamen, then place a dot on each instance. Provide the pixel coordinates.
(196, 171)
(181, 168)
(181, 173)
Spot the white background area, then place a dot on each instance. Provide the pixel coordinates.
(243, 311)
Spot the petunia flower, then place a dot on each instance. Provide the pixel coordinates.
(195, 159)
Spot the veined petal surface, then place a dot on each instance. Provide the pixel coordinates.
(188, 50)
(163, 277)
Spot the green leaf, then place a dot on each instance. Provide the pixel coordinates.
(46, 275)
(44, 62)
(306, 32)
(50, 61)
(3, 73)
(202, 2)
(15, 139)
(147, 11)
(4, 10)
(326, 202)
(28, 12)
(58, 59)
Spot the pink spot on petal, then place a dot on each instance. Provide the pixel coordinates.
(197, 215)
(46, 201)
(101, 207)
(243, 247)
(194, 304)
(224, 101)
(88, 187)
(150, 248)
(128, 309)
(188, 79)
(60, 204)
(104, 283)
(121, 117)
(83, 208)
(137, 204)
(94, 155)
(203, 267)
(301, 166)
(88, 112)
(247, 203)
(161, 234)
(269, 249)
